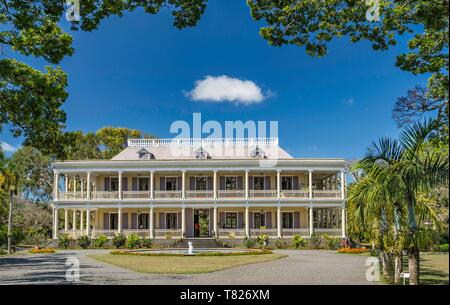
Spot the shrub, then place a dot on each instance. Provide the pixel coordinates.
(37, 250)
(298, 241)
(100, 241)
(64, 240)
(84, 241)
(443, 248)
(280, 243)
(119, 240)
(249, 242)
(331, 243)
(352, 250)
(315, 241)
(133, 241)
(147, 242)
(3, 252)
(263, 240)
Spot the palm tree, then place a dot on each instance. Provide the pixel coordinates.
(397, 171)
(8, 183)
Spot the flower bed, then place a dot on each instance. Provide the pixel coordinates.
(36, 250)
(234, 253)
(352, 250)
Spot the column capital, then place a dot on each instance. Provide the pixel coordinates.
(247, 170)
(278, 170)
(152, 171)
(215, 171)
(310, 170)
(120, 172)
(183, 171)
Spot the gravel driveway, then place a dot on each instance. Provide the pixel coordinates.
(300, 267)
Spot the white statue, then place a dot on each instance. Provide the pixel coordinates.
(191, 248)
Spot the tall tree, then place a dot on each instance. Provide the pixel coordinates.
(404, 169)
(30, 100)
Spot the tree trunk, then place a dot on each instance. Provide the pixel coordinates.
(11, 198)
(413, 265)
(398, 258)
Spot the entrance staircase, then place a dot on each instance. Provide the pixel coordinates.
(198, 243)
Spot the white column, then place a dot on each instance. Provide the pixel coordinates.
(56, 184)
(215, 185)
(88, 222)
(279, 222)
(66, 183)
(343, 185)
(66, 219)
(247, 224)
(311, 221)
(152, 183)
(278, 184)
(82, 185)
(119, 221)
(183, 221)
(343, 222)
(74, 220)
(246, 184)
(74, 185)
(310, 183)
(216, 232)
(151, 224)
(120, 185)
(88, 186)
(81, 220)
(183, 184)
(55, 223)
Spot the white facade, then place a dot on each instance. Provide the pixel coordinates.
(225, 188)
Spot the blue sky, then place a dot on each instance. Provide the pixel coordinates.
(134, 71)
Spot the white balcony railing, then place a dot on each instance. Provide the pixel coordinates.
(329, 231)
(72, 195)
(199, 194)
(231, 194)
(262, 193)
(105, 195)
(205, 142)
(168, 233)
(167, 194)
(106, 232)
(327, 193)
(231, 233)
(136, 194)
(139, 232)
(295, 231)
(265, 231)
(294, 194)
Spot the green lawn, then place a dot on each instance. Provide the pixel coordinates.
(182, 265)
(434, 269)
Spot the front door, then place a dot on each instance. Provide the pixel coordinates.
(201, 223)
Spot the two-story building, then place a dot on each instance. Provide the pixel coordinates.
(223, 188)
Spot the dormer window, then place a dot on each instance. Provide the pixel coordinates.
(258, 153)
(145, 154)
(202, 154)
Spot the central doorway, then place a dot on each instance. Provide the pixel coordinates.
(201, 223)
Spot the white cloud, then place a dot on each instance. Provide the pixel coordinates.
(217, 89)
(6, 147)
(349, 101)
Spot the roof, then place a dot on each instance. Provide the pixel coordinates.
(192, 149)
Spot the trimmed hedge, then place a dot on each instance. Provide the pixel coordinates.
(254, 252)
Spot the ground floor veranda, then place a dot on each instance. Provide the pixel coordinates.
(197, 222)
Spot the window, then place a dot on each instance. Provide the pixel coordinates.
(143, 184)
(259, 220)
(230, 220)
(286, 183)
(113, 221)
(258, 183)
(143, 221)
(171, 183)
(258, 153)
(287, 220)
(145, 154)
(114, 184)
(171, 220)
(230, 183)
(200, 183)
(202, 154)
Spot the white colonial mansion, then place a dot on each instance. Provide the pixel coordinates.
(223, 188)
